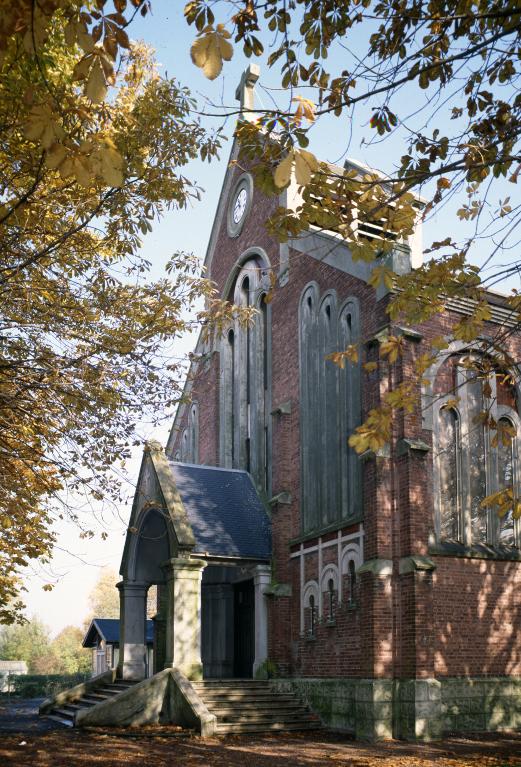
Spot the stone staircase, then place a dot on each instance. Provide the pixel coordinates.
(247, 705)
(66, 712)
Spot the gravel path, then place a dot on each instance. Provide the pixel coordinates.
(22, 716)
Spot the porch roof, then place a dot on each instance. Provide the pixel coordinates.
(107, 629)
(225, 512)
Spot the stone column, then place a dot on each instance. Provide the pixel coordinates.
(132, 630)
(183, 616)
(160, 630)
(261, 580)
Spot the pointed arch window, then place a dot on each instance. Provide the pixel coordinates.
(331, 600)
(245, 379)
(449, 472)
(471, 460)
(352, 580)
(189, 452)
(330, 410)
(312, 616)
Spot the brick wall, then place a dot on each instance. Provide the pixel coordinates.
(463, 618)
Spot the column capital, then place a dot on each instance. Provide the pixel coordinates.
(261, 574)
(127, 587)
(183, 567)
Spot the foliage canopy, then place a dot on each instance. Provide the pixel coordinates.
(31, 643)
(93, 149)
(442, 78)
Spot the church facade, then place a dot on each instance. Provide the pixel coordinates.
(376, 586)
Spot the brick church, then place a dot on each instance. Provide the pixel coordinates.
(376, 587)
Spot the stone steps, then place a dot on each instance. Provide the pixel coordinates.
(238, 697)
(225, 728)
(222, 708)
(253, 706)
(66, 712)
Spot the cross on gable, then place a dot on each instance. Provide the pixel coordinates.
(245, 92)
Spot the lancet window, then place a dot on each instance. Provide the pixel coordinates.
(190, 438)
(245, 380)
(329, 411)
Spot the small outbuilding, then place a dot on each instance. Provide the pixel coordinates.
(103, 637)
(10, 668)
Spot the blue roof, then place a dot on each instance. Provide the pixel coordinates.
(108, 629)
(227, 516)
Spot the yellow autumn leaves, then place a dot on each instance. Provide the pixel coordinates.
(210, 49)
(93, 160)
(299, 161)
(302, 162)
(70, 128)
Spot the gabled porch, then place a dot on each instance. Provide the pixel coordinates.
(203, 536)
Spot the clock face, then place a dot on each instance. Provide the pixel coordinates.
(240, 205)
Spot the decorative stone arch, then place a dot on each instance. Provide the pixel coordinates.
(503, 411)
(253, 252)
(194, 432)
(350, 562)
(329, 455)
(427, 394)
(152, 543)
(350, 552)
(330, 572)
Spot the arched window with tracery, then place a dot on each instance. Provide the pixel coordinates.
(476, 426)
(245, 379)
(330, 410)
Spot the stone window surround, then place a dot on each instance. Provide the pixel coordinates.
(467, 547)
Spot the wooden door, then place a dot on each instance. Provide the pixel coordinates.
(244, 629)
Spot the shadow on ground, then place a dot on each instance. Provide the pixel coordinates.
(22, 716)
(27, 741)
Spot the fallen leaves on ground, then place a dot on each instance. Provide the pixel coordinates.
(169, 747)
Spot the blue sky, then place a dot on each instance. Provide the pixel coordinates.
(77, 562)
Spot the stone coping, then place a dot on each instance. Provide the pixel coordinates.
(477, 551)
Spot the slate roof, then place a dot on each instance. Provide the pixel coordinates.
(108, 629)
(227, 516)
